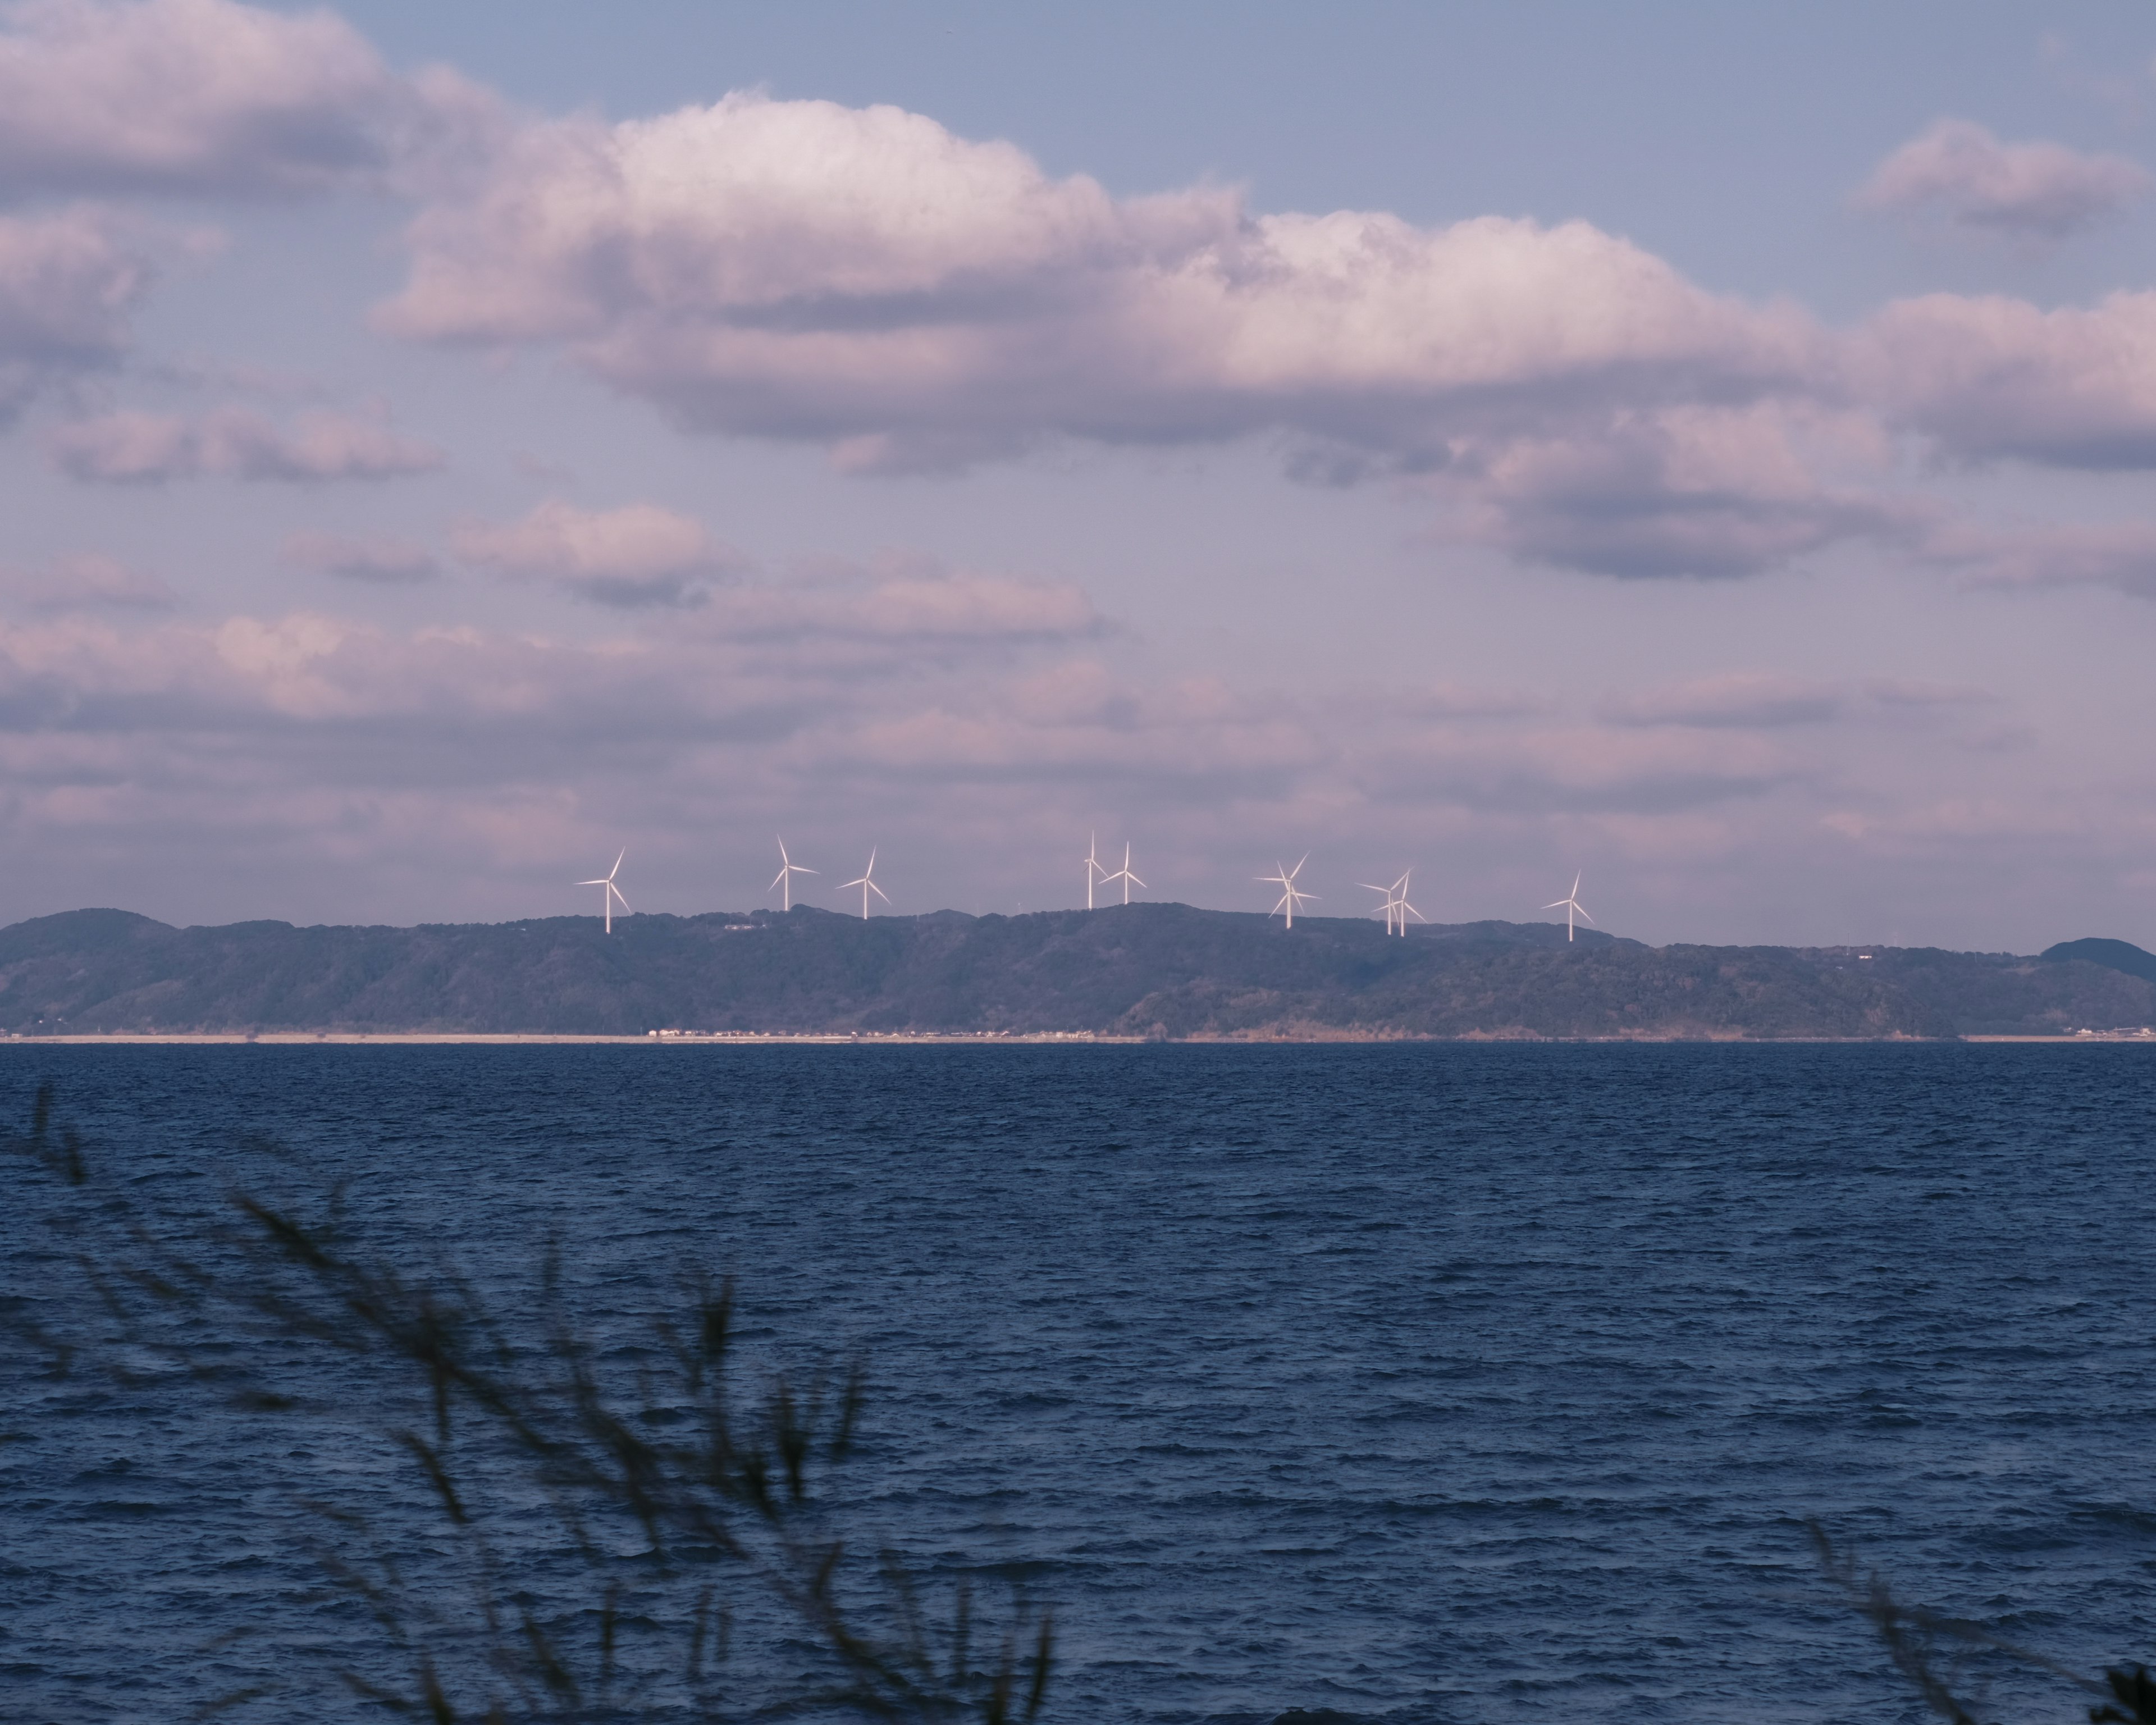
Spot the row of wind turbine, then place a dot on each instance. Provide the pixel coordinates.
(1396, 908)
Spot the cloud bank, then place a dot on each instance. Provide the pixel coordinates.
(865, 280)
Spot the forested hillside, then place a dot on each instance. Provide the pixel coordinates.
(1145, 970)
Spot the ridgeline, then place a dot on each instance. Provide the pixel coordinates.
(1146, 970)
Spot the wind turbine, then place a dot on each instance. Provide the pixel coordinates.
(1570, 903)
(867, 886)
(1291, 897)
(1123, 875)
(612, 893)
(787, 869)
(1401, 908)
(1397, 908)
(1093, 866)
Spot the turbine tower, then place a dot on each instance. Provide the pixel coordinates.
(1291, 896)
(1571, 906)
(1095, 867)
(867, 884)
(787, 869)
(1123, 875)
(611, 892)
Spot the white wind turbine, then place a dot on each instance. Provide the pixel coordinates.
(1123, 875)
(787, 869)
(612, 893)
(1396, 907)
(1571, 906)
(1291, 897)
(1401, 908)
(867, 886)
(1094, 866)
(1391, 909)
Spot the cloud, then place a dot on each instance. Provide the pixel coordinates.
(1992, 377)
(133, 448)
(2028, 191)
(376, 559)
(864, 279)
(631, 557)
(85, 581)
(67, 286)
(1700, 492)
(1746, 701)
(2119, 555)
(200, 97)
(1759, 701)
(912, 602)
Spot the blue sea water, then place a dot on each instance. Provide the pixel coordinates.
(1425, 1382)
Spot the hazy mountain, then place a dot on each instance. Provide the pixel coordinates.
(1148, 969)
(2113, 955)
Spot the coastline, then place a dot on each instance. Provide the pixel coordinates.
(843, 1039)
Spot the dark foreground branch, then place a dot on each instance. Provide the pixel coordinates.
(685, 1514)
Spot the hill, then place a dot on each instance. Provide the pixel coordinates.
(1158, 970)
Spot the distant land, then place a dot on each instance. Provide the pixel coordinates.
(1143, 970)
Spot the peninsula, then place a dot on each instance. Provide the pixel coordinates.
(1145, 970)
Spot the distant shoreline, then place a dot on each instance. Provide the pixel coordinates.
(886, 1039)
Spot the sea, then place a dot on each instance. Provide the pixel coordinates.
(1405, 1382)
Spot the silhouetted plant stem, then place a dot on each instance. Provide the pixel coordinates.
(514, 1413)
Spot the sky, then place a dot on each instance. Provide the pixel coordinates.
(1704, 450)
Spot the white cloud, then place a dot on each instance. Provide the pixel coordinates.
(862, 278)
(918, 603)
(67, 286)
(2036, 190)
(1984, 378)
(1761, 700)
(206, 96)
(133, 448)
(636, 556)
(85, 581)
(377, 558)
(1705, 492)
(2119, 555)
(1746, 701)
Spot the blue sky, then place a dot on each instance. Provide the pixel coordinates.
(1706, 447)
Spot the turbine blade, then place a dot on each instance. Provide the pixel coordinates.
(1132, 879)
(877, 891)
(1582, 909)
